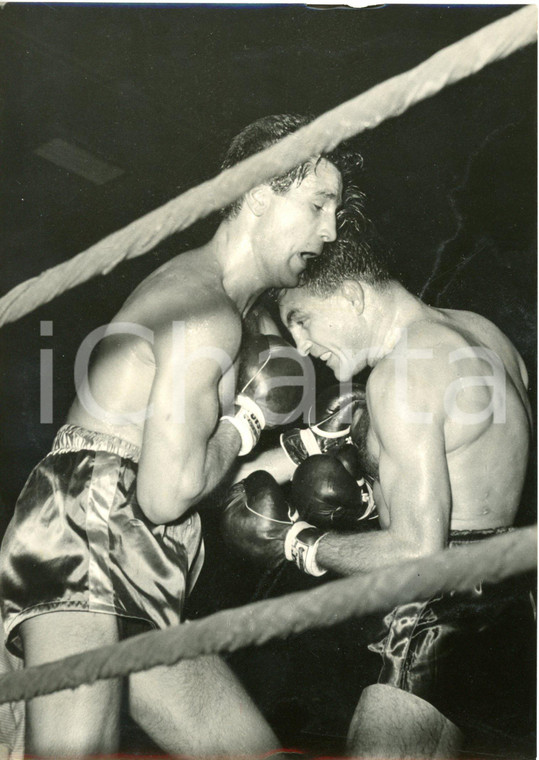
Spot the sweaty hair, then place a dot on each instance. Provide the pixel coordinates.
(352, 257)
(268, 130)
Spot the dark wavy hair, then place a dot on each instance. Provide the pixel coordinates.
(267, 131)
(362, 257)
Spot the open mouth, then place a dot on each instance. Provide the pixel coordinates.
(306, 255)
(326, 356)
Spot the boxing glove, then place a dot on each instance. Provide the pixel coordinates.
(328, 491)
(257, 522)
(259, 320)
(329, 428)
(269, 388)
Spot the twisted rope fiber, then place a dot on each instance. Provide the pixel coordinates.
(388, 99)
(458, 568)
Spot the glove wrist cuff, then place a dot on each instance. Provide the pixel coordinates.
(247, 405)
(247, 428)
(300, 443)
(330, 434)
(368, 503)
(249, 421)
(301, 545)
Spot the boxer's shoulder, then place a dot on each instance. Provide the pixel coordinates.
(185, 283)
(186, 303)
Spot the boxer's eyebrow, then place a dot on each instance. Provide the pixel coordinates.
(294, 316)
(291, 317)
(328, 195)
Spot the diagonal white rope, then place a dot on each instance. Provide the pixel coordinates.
(388, 99)
(459, 568)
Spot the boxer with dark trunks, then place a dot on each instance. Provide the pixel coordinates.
(444, 442)
(104, 535)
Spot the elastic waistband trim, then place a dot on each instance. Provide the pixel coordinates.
(75, 438)
(466, 536)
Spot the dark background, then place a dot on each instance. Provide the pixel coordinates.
(158, 92)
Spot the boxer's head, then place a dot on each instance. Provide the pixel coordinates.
(331, 310)
(297, 212)
(268, 130)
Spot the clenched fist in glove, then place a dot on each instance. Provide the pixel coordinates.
(258, 523)
(328, 491)
(329, 424)
(269, 387)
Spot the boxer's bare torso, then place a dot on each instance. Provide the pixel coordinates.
(185, 292)
(486, 453)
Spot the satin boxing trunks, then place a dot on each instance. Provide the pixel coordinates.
(471, 655)
(79, 540)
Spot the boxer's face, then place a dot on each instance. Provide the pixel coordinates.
(324, 327)
(296, 224)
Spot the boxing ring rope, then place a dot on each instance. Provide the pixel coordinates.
(388, 99)
(459, 568)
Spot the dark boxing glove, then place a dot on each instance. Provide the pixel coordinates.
(329, 493)
(270, 387)
(258, 523)
(329, 424)
(259, 320)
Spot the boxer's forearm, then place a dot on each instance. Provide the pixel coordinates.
(349, 553)
(221, 454)
(170, 497)
(274, 461)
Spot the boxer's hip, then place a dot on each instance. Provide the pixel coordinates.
(470, 653)
(79, 540)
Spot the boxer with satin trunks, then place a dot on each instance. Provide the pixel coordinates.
(80, 541)
(104, 530)
(443, 438)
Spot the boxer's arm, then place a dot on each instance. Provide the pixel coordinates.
(185, 451)
(274, 461)
(329, 430)
(413, 478)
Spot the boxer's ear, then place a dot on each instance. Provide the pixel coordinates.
(353, 291)
(258, 199)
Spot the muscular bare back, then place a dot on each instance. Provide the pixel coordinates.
(463, 386)
(188, 292)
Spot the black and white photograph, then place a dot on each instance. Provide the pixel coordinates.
(268, 381)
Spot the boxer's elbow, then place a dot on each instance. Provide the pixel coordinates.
(413, 545)
(165, 500)
(420, 547)
(156, 504)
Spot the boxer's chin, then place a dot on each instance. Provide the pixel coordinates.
(342, 370)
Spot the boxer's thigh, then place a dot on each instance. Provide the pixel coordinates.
(198, 707)
(12, 714)
(391, 723)
(71, 722)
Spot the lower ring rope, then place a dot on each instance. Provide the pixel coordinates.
(459, 568)
(388, 99)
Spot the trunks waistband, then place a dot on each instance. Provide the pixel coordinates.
(75, 438)
(457, 537)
